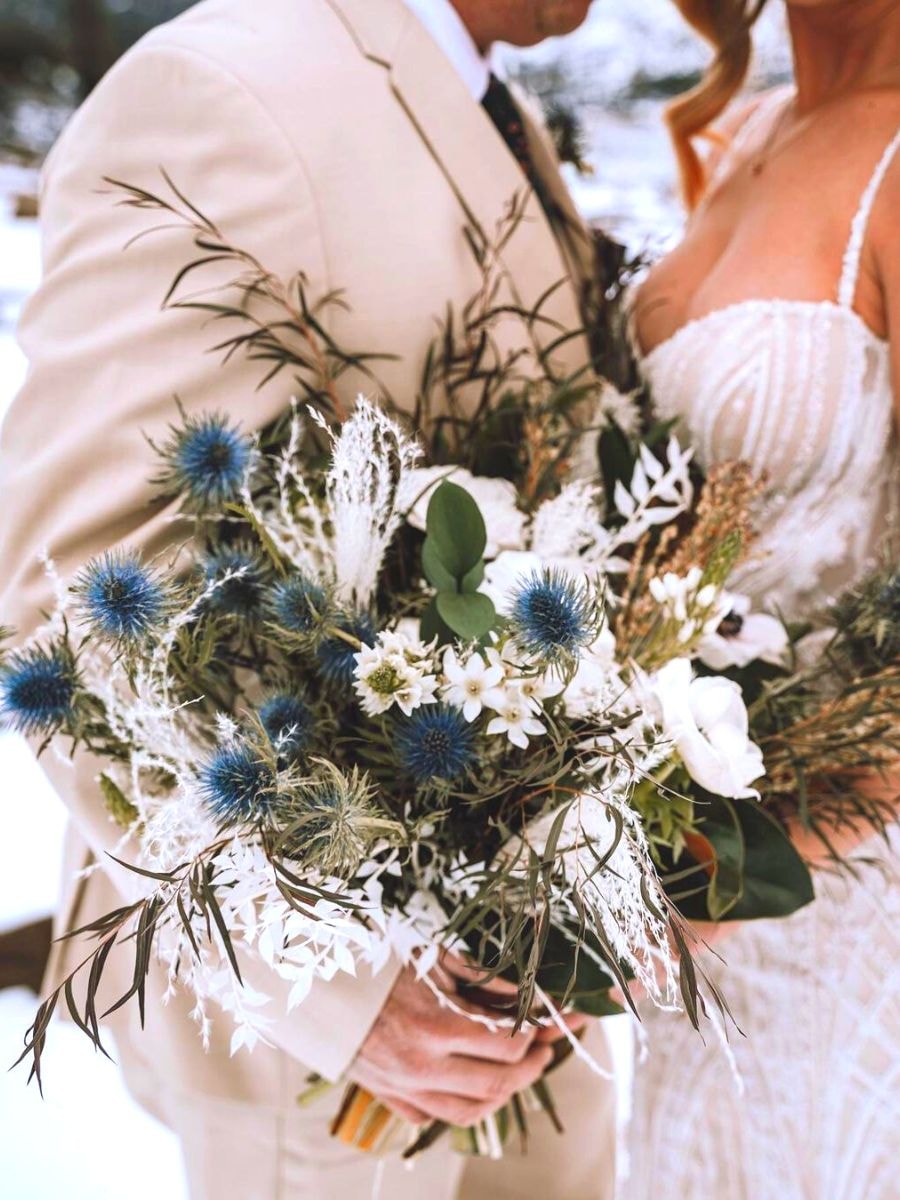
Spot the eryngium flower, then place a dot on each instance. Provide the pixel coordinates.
(436, 743)
(337, 657)
(329, 821)
(37, 690)
(120, 597)
(553, 616)
(237, 783)
(297, 604)
(239, 579)
(206, 461)
(288, 723)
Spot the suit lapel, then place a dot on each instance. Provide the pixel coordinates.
(461, 138)
(576, 238)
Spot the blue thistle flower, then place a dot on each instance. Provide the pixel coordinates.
(288, 723)
(120, 597)
(241, 595)
(329, 821)
(37, 690)
(553, 615)
(297, 604)
(207, 459)
(336, 657)
(436, 742)
(236, 783)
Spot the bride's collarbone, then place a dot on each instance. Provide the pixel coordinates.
(739, 249)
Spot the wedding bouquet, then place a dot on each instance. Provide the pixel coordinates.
(459, 685)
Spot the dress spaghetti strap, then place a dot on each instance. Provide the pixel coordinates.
(854, 252)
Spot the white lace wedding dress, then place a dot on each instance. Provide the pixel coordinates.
(802, 391)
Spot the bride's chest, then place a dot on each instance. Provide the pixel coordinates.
(799, 390)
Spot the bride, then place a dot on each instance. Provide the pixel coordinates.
(773, 333)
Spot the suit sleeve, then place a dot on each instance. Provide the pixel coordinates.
(106, 364)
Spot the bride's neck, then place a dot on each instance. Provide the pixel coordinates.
(843, 46)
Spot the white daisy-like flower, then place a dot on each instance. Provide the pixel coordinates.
(472, 685)
(535, 689)
(516, 719)
(385, 676)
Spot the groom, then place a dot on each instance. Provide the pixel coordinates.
(354, 140)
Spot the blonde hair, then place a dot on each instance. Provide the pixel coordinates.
(727, 26)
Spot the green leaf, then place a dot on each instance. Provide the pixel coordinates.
(435, 571)
(758, 873)
(727, 884)
(456, 527)
(470, 617)
(777, 881)
(617, 461)
(472, 581)
(431, 626)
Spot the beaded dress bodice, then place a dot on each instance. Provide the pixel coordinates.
(803, 392)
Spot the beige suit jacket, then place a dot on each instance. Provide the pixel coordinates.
(329, 136)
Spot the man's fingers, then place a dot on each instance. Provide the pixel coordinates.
(490, 1087)
(475, 976)
(574, 1022)
(494, 1082)
(474, 1040)
(406, 1110)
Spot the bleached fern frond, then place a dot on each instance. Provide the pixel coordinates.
(370, 458)
(569, 524)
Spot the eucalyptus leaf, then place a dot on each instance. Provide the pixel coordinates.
(456, 528)
(432, 627)
(435, 571)
(470, 617)
(473, 580)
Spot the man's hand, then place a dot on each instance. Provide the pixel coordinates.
(429, 1063)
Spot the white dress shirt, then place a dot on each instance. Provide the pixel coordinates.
(446, 26)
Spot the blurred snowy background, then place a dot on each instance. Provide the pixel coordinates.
(616, 73)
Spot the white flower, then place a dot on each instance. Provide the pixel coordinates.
(515, 718)
(595, 682)
(696, 608)
(496, 498)
(472, 685)
(394, 671)
(535, 689)
(707, 721)
(743, 638)
(506, 572)
(620, 408)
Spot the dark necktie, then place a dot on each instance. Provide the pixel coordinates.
(500, 106)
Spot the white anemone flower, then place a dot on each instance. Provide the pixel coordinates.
(707, 721)
(504, 575)
(743, 637)
(472, 685)
(515, 718)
